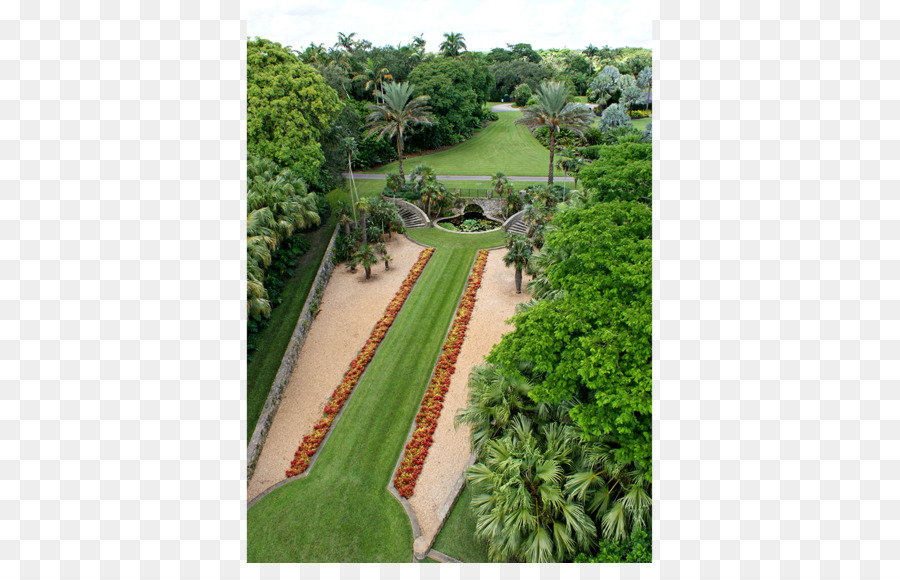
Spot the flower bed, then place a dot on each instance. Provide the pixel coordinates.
(335, 403)
(433, 402)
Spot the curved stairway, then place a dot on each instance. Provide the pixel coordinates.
(516, 224)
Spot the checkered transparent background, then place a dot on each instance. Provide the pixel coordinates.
(121, 302)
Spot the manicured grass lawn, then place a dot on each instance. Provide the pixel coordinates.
(640, 124)
(457, 538)
(502, 146)
(342, 511)
(272, 342)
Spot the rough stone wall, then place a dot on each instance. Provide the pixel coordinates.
(492, 207)
(276, 393)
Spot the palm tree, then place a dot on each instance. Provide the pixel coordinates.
(520, 501)
(346, 42)
(554, 111)
(363, 206)
(396, 113)
(374, 76)
(454, 43)
(518, 255)
(591, 51)
(418, 44)
(381, 249)
(495, 397)
(366, 257)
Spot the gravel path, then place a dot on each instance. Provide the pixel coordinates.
(350, 308)
(495, 303)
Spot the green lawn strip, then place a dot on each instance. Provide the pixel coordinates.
(457, 537)
(640, 124)
(501, 146)
(342, 511)
(273, 341)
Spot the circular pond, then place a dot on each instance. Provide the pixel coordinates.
(469, 223)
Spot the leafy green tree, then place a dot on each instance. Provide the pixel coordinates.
(645, 83)
(594, 342)
(521, 94)
(454, 43)
(517, 255)
(396, 113)
(289, 109)
(507, 75)
(458, 87)
(636, 549)
(554, 111)
(623, 171)
(603, 87)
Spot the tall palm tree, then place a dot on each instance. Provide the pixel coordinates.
(396, 113)
(363, 206)
(519, 252)
(346, 42)
(374, 76)
(454, 43)
(554, 111)
(591, 51)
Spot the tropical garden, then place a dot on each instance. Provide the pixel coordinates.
(560, 410)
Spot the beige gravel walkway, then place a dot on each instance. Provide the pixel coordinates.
(495, 303)
(350, 308)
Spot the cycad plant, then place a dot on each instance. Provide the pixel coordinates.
(554, 111)
(518, 255)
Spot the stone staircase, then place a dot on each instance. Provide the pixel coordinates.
(516, 224)
(410, 218)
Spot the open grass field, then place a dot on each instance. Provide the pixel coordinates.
(501, 146)
(273, 340)
(342, 511)
(457, 538)
(640, 124)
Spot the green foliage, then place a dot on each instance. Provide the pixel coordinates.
(396, 113)
(636, 549)
(289, 109)
(594, 341)
(521, 94)
(591, 152)
(508, 75)
(458, 87)
(623, 171)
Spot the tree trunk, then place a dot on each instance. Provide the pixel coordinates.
(387, 265)
(552, 151)
(347, 229)
(400, 154)
(518, 281)
(368, 271)
(362, 214)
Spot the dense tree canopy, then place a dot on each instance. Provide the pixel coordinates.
(289, 109)
(622, 171)
(457, 87)
(508, 75)
(600, 356)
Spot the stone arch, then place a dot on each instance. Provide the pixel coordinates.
(473, 207)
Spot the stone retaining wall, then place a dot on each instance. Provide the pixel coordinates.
(304, 322)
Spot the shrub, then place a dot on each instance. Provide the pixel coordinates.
(638, 114)
(591, 152)
(521, 94)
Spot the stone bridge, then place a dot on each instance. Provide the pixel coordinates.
(491, 207)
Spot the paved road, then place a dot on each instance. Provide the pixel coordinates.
(466, 177)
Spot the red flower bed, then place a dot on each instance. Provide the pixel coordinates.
(433, 402)
(340, 395)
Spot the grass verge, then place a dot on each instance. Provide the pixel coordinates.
(274, 339)
(342, 511)
(457, 538)
(501, 146)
